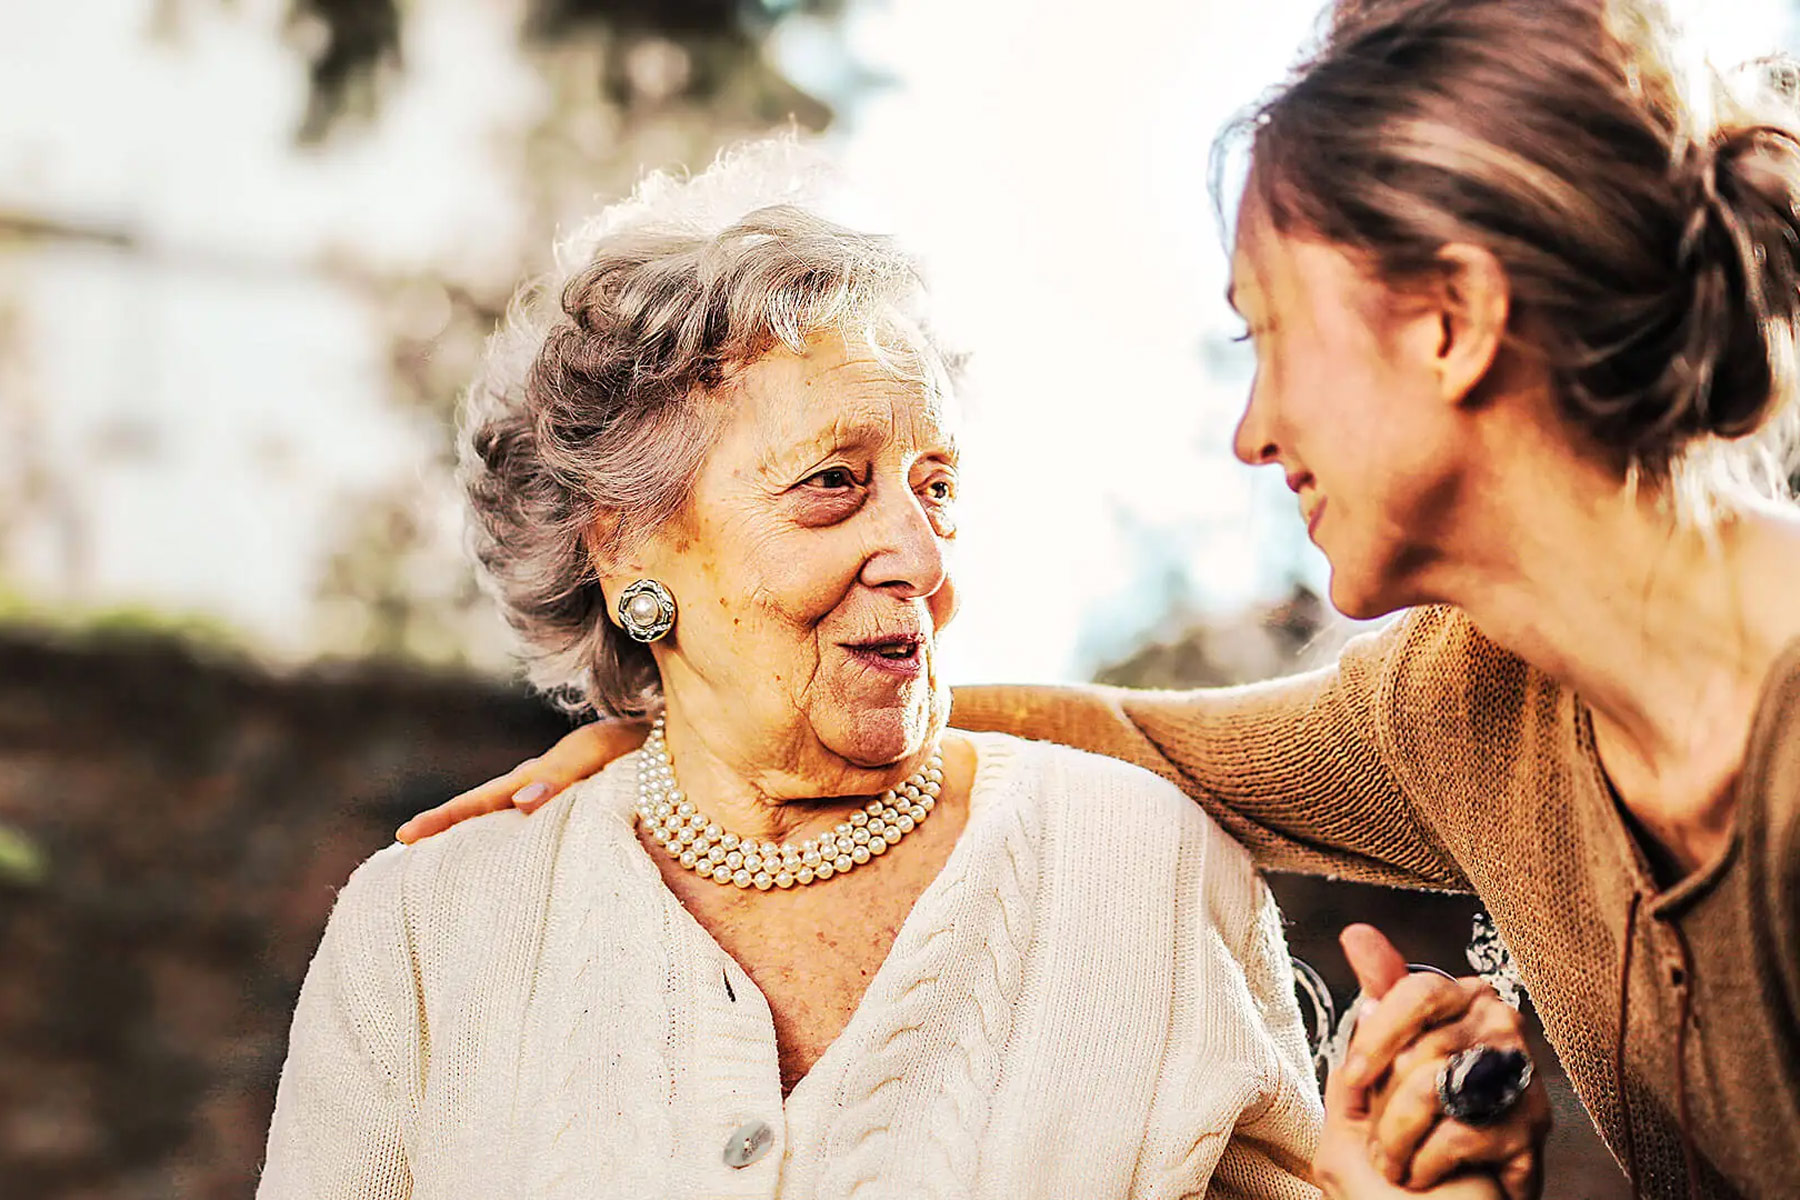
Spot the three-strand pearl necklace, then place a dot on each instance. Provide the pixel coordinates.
(698, 843)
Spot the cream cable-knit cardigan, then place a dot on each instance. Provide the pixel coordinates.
(1093, 999)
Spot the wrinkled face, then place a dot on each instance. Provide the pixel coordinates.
(1347, 403)
(810, 568)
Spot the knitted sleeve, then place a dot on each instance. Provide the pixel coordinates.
(337, 1129)
(1237, 1112)
(1300, 769)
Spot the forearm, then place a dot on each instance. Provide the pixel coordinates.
(1292, 768)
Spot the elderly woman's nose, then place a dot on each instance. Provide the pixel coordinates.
(908, 554)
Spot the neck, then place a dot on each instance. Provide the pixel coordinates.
(773, 801)
(1666, 631)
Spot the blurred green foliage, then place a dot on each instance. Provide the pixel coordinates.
(22, 861)
(120, 622)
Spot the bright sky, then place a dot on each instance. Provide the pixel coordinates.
(1050, 160)
(1055, 169)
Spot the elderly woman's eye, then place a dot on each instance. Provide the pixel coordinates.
(834, 478)
(941, 490)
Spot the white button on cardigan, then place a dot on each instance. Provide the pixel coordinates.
(1091, 1000)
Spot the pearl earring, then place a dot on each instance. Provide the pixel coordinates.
(646, 610)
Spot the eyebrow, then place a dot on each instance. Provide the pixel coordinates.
(861, 435)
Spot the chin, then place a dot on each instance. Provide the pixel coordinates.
(879, 737)
(1359, 598)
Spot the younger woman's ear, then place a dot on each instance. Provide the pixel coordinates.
(1474, 305)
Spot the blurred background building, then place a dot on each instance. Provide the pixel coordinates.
(248, 253)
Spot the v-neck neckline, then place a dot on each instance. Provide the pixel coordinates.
(991, 762)
(1619, 821)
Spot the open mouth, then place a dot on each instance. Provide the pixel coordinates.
(902, 653)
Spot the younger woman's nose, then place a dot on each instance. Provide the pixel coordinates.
(1253, 442)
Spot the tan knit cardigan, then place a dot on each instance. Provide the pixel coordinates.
(1430, 757)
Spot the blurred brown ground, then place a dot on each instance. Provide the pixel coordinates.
(197, 817)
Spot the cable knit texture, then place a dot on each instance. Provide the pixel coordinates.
(1091, 999)
(1430, 757)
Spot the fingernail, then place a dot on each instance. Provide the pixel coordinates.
(400, 833)
(531, 793)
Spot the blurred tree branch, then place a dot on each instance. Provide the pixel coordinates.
(656, 50)
(351, 42)
(625, 84)
(630, 84)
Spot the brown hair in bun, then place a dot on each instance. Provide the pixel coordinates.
(1649, 229)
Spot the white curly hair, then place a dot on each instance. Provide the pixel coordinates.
(599, 397)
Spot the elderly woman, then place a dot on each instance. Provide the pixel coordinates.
(806, 942)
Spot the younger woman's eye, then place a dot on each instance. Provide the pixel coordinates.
(1245, 336)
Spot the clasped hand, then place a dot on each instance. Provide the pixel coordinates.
(1386, 1134)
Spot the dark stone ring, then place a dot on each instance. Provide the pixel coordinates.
(1480, 1085)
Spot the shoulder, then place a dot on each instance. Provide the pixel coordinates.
(474, 878)
(1771, 819)
(1091, 795)
(1461, 715)
(1437, 652)
(376, 917)
(510, 839)
(1049, 769)
(1775, 740)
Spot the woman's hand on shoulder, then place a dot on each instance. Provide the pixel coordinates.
(1386, 1133)
(534, 782)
